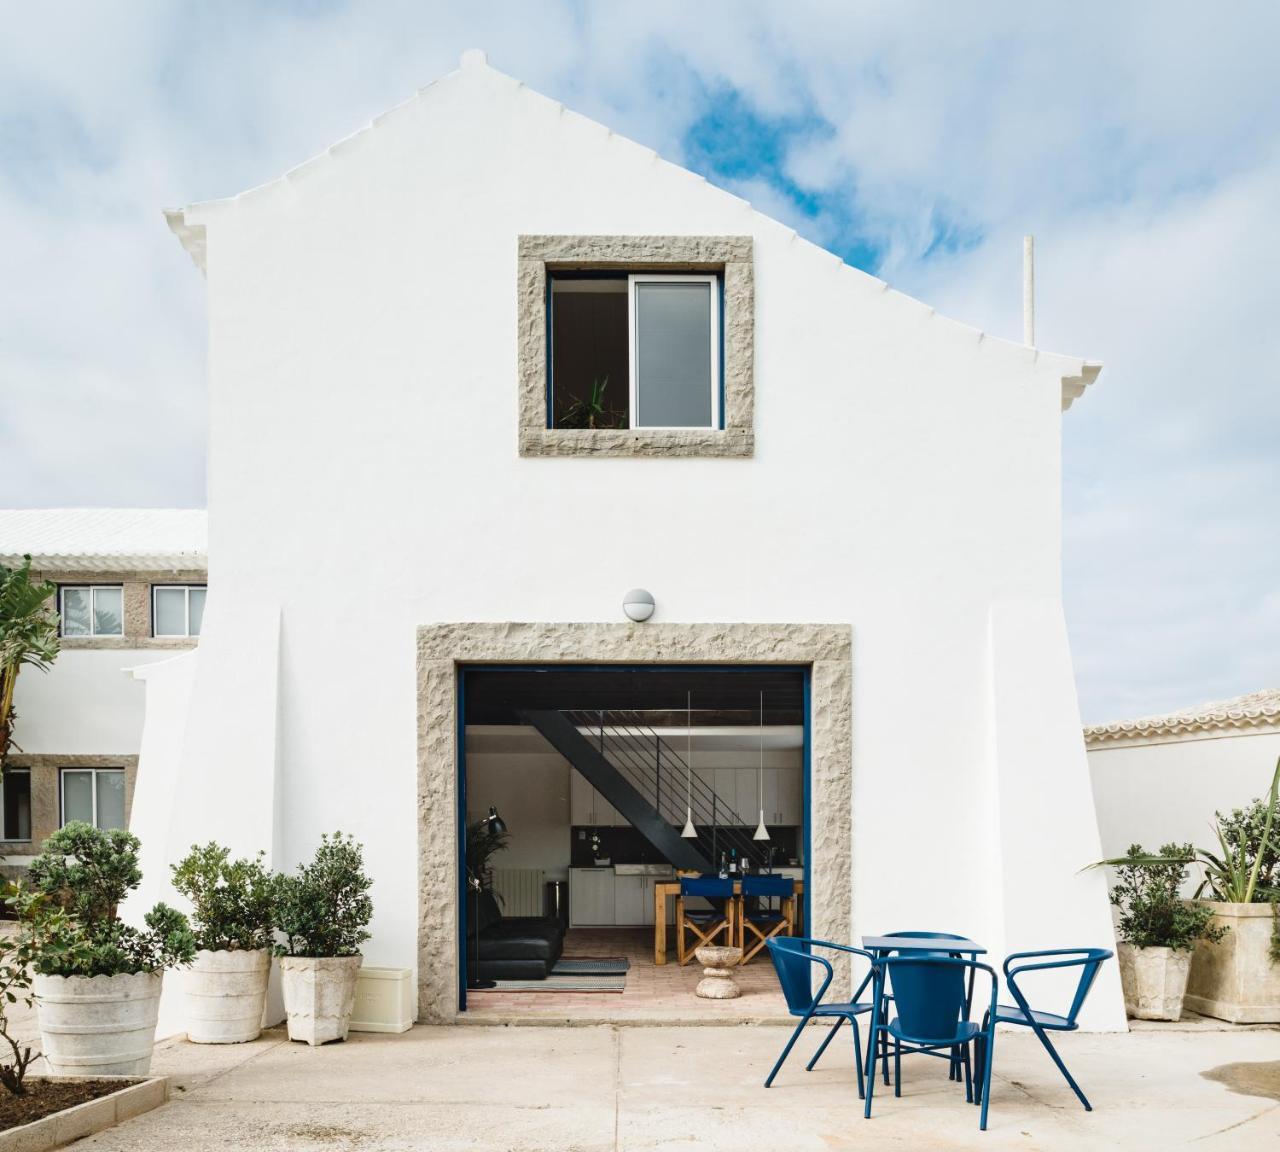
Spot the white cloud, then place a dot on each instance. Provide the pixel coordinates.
(1140, 144)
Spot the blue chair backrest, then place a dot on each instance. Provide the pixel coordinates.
(768, 886)
(1090, 964)
(711, 887)
(794, 964)
(928, 994)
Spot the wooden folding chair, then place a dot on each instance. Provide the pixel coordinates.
(705, 924)
(757, 926)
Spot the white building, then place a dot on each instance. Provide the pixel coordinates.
(1159, 779)
(829, 489)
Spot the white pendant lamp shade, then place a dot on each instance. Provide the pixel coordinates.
(761, 832)
(689, 832)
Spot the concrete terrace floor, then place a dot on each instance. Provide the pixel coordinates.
(606, 1087)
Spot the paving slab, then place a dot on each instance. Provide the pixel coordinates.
(614, 1087)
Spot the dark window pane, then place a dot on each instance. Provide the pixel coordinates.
(673, 355)
(17, 804)
(590, 376)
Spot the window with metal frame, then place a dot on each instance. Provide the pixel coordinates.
(94, 795)
(91, 609)
(15, 800)
(177, 609)
(634, 350)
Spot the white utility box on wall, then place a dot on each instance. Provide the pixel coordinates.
(384, 1000)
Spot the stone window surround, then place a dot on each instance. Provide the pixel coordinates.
(46, 808)
(826, 649)
(137, 607)
(729, 255)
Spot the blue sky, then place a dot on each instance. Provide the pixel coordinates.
(1140, 143)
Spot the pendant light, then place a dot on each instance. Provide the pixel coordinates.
(689, 832)
(761, 832)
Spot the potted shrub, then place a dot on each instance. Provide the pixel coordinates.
(97, 982)
(1157, 929)
(1237, 976)
(233, 911)
(323, 910)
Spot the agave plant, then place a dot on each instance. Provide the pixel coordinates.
(591, 412)
(28, 637)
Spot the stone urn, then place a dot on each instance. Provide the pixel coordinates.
(319, 995)
(98, 1025)
(226, 992)
(1235, 978)
(718, 962)
(1154, 981)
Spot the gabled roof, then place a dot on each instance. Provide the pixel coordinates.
(189, 224)
(105, 539)
(1254, 710)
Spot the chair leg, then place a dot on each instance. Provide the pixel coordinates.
(874, 1039)
(857, 1054)
(897, 1067)
(1044, 1039)
(968, 1079)
(988, 1059)
(786, 1051)
(831, 1035)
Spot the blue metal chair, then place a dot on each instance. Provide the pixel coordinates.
(794, 961)
(705, 924)
(932, 1009)
(1088, 960)
(765, 922)
(954, 1072)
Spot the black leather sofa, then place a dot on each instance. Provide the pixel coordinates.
(512, 947)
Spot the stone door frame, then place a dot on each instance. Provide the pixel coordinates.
(825, 649)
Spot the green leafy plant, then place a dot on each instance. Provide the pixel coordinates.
(324, 908)
(28, 638)
(1147, 890)
(86, 872)
(1248, 869)
(233, 901)
(592, 412)
(40, 928)
(482, 846)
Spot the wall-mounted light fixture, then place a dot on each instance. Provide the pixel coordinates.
(638, 605)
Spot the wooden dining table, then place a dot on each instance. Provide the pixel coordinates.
(665, 890)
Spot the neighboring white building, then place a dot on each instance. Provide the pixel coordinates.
(1159, 779)
(130, 591)
(808, 470)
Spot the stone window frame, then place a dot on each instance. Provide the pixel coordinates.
(137, 606)
(443, 649)
(730, 256)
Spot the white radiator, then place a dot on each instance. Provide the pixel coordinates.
(519, 890)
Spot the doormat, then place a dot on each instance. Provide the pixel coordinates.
(577, 974)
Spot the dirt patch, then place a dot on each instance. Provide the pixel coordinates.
(45, 1097)
(1260, 1078)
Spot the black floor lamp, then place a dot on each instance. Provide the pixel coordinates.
(491, 825)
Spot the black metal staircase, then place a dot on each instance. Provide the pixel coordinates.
(643, 775)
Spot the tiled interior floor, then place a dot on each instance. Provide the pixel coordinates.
(662, 994)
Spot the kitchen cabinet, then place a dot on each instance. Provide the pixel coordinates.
(592, 900)
(790, 796)
(587, 806)
(628, 899)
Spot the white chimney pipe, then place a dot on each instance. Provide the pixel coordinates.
(1029, 290)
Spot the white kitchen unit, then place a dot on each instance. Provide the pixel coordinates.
(588, 807)
(628, 899)
(591, 897)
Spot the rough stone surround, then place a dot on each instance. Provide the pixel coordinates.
(825, 648)
(137, 607)
(45, 808)
(729, 255)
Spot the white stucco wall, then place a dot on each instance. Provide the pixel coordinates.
(364, 477)
(1163, 791)
(86, 704)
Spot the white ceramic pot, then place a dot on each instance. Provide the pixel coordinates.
(1154, 981)
(319, 994)
(225, 993)
(98, 1025)
(1235, 979)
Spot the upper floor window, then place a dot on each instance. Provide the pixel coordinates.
(94, 610)
(177, 609)
(639, 350)
(94, 795)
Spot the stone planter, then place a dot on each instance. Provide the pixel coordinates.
(225, 994)
(1236, 979)
(1154, 980)
(98, 1025)
(319, 994)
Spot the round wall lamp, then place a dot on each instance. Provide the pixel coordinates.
(638, 605)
